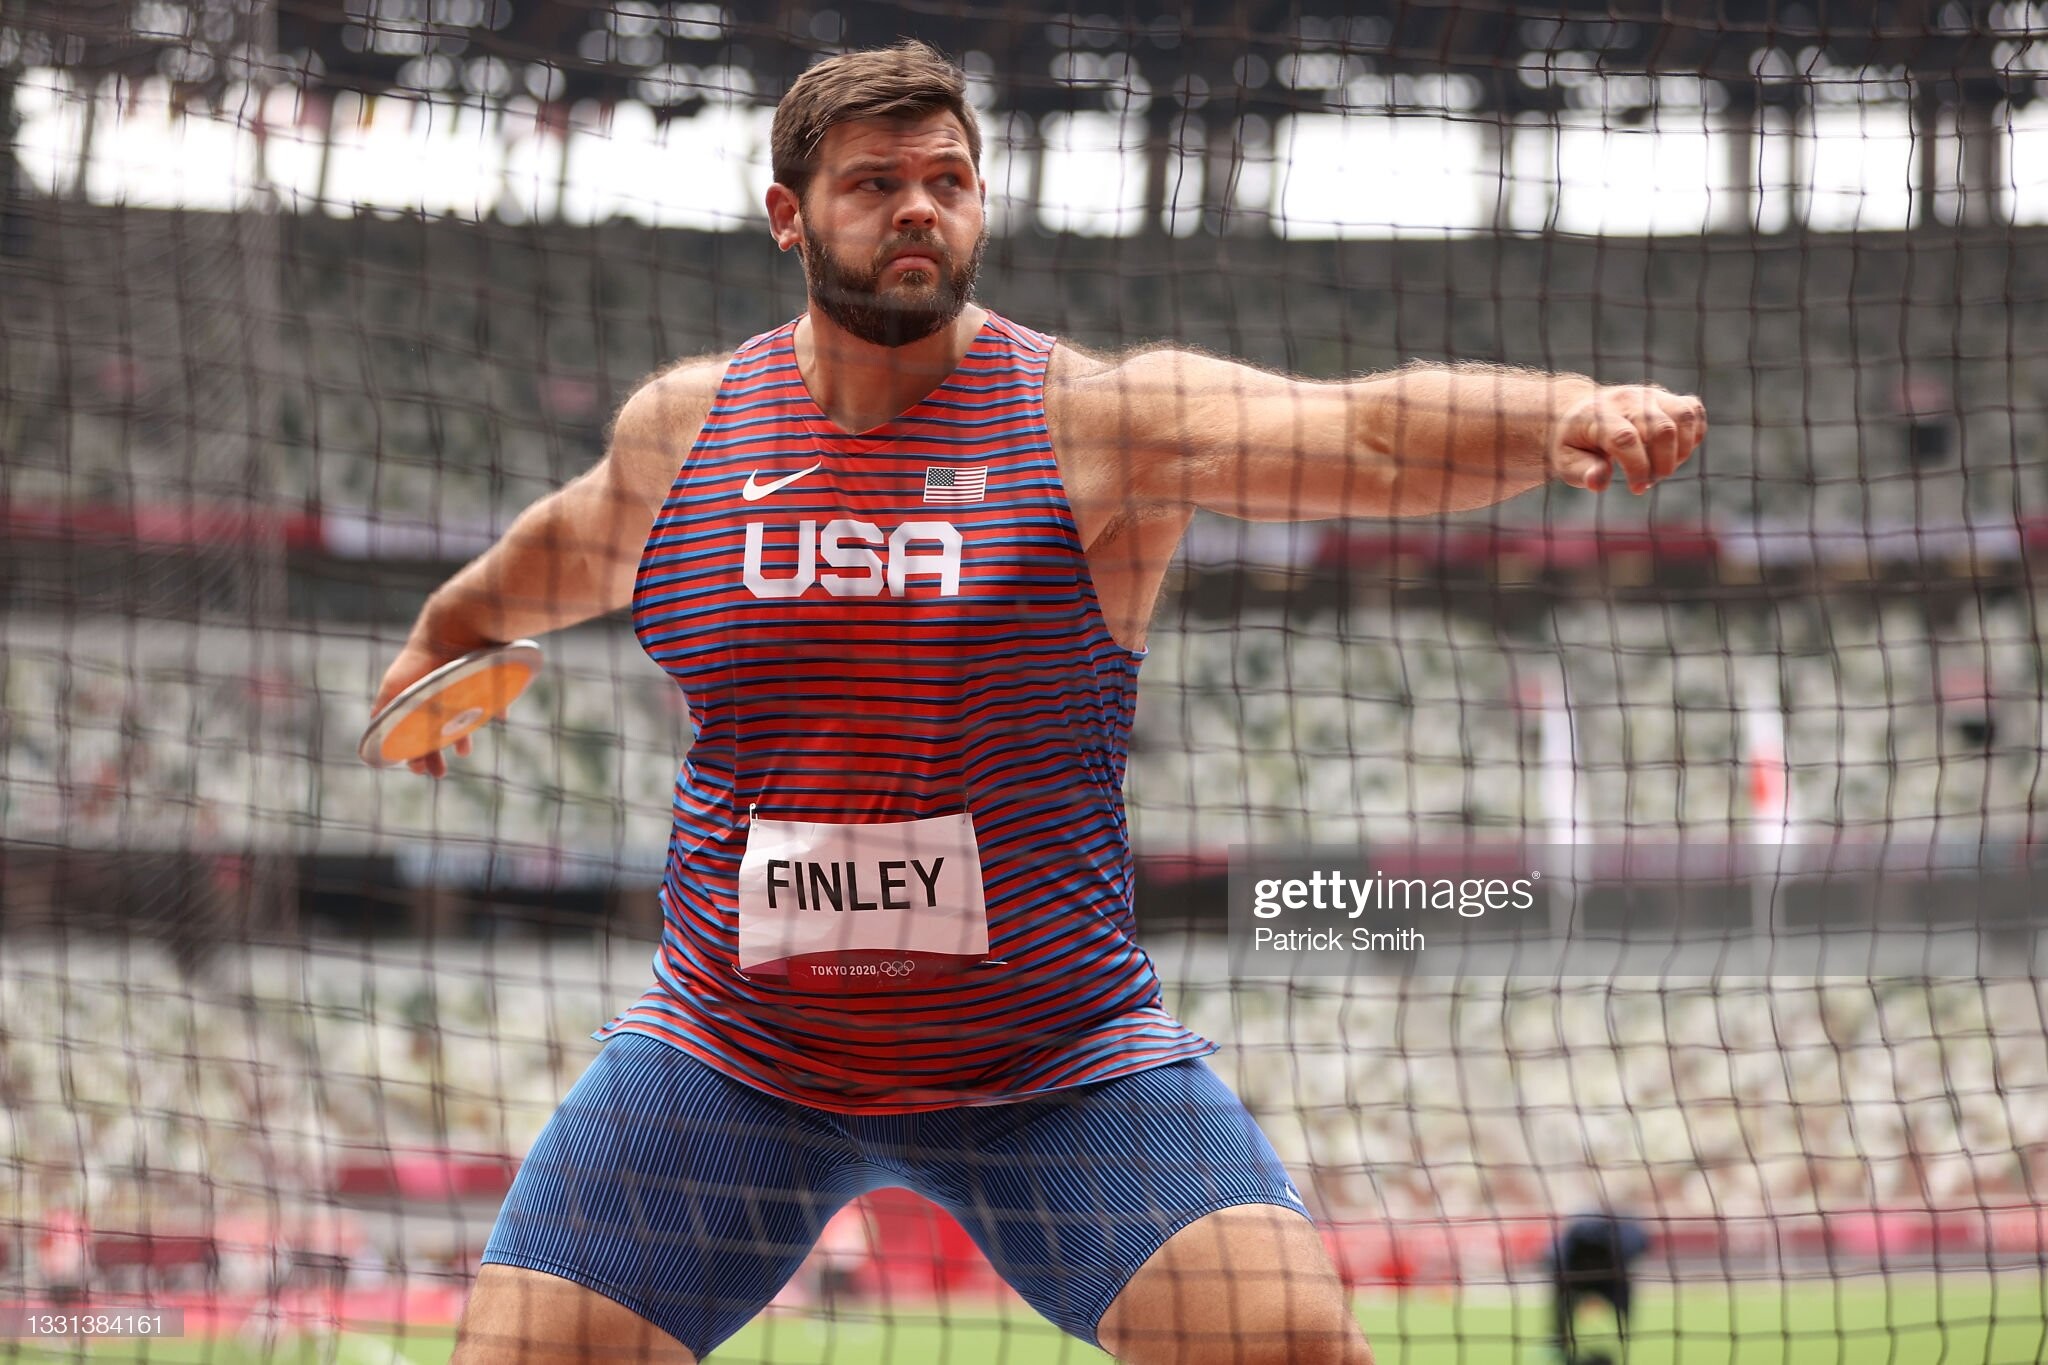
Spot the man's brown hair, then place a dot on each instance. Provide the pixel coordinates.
(907, 81)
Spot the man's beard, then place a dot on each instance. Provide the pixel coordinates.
(853, 298)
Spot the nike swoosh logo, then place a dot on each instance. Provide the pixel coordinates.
(754, 491)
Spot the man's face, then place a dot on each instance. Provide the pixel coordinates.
(891, 228)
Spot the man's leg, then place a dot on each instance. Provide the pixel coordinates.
(1146, 1214)
(527, 1317)
(662, 1207)
(1244, 1285)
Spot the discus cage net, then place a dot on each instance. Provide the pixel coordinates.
(301, 302)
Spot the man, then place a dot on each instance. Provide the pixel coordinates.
(901, 555)
(1591, 1261)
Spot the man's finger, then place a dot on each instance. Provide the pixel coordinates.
(1662, 437)
(385, 694)
(1692, 426)
(1581, 468)
(1615, 436)
(1689, 416)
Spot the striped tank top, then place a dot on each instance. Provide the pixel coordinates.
(884, 683)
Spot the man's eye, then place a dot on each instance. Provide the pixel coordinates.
(872, 183)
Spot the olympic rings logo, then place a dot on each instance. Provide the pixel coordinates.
(898, 967)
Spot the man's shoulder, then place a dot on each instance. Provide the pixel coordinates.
(1074, 394)
(1072, 363)
(1008, 330)
(1069, 362)
(694, 379)
(660, 423)
(1107, 392)
(676, 399)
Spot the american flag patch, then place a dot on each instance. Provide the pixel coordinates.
(948, 483)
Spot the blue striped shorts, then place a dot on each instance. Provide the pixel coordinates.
(692, 1198)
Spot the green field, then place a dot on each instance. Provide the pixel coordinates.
(1950, 1320)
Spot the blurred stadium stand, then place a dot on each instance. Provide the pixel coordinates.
(350, 1103)
(431, 378)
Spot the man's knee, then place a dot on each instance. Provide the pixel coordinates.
(1254, 1342)
(1247, 1285)
(525, 1317)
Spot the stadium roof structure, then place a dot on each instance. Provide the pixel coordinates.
(1261, 56)
(1226, 63)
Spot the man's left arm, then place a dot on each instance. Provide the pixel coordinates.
(1177, 428)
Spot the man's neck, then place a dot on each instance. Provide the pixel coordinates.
(860, 385)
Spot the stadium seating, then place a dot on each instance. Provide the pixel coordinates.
(1376, 725)
(421, 370)
(194, 1100)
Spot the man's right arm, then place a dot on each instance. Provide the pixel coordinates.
(572, 555)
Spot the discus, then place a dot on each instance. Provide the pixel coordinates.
(454, 700)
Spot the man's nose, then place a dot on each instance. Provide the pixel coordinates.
(916, 209)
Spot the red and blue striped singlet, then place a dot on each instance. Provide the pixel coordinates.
(890, 685)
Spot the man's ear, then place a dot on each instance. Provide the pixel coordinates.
(785, 216)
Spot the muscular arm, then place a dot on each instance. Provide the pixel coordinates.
(1173, 428)
(573, 554)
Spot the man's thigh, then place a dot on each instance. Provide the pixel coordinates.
(675, 1193)
(1071, 1194)
(527, 1317)
(1245, 1285)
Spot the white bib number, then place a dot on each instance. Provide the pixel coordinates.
(861, 905)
